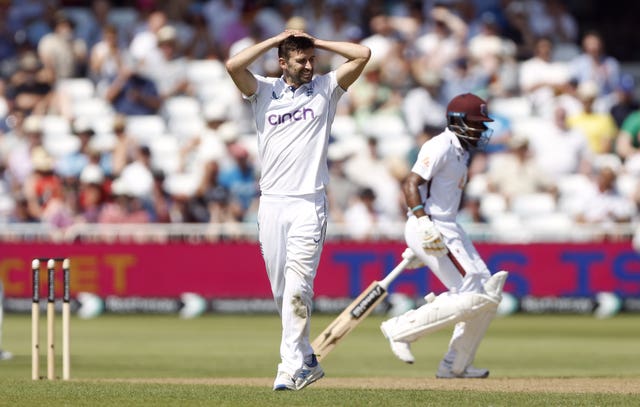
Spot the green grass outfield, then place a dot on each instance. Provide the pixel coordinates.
(553, 360)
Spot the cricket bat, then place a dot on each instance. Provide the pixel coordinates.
(355, 313)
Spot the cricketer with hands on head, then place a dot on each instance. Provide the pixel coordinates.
(432, 192)
(293, 116)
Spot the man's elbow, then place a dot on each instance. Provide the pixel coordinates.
(232, 66)
(366, 54)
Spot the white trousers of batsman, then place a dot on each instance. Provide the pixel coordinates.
(476, 310)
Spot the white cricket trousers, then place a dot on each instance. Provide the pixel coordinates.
(291, 230)
(462, 270)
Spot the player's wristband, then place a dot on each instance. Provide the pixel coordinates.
(417, 207)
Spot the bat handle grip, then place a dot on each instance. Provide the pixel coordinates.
(394, 273)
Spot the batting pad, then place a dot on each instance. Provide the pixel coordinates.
(466, 343)
(447, 309)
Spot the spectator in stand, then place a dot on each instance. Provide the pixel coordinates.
(7, 198)
(61, 52)
(559, 150)
(363, 219)
(30, 88)
(625, 101)
(314, 13)
(373, 98)
(43, 190)
(444, 43)
(273, 16)
(91, 29)
(72, 164)
(179, 211)
(144, 45)
(495, 55)
(11, 135)
(136, 183)
(160, 199)
(138, 175)
(242, 27)
(550, 18)
(409, 17)
(368, 169)
(124, 150)
(19, 164)
(199, 44)
(342, 189)
(219, 15)
(177, 13)
(105, 59)
(502, 127)
(594, 65)
(126, 206)
(21, 213)
(396, 67)
(541, 78)
(599, 128)
(424, 135)
(461, 76)
(115, 209)
(568, 98)
(486, 46)
(133, 93)
(603, 204)
(514, 21)
(470, 210)
(8, 34)
(627, 143)
(384, 37)
(91, 195)
(336, 27)
(420, 106)
(31, 19)
(213, 202)
(240, 179)
(210, 144)
(169, 73)
(516, 172)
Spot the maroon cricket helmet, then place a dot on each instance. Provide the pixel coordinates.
(469, 107)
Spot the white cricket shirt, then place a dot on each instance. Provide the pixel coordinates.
(293, 133)
(443, 163)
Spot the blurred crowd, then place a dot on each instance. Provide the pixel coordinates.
(122, 112)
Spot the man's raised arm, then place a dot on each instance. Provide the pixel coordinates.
(237, 65)
(357, 57)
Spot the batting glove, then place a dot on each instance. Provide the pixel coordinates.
(432, 242)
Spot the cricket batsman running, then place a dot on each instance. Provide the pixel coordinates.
(293, 116)
(432, 192)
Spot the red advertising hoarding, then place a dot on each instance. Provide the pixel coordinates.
(236, 270)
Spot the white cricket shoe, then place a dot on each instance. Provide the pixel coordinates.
(283, 381)
(309, 373)
(445, 372)
(402, 350)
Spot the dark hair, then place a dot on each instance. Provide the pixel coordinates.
(293, 43)
(367, 193)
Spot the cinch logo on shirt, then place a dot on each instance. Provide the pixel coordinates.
(296, 115)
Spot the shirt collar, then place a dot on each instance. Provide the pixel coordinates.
(454, 139)
(283, 87)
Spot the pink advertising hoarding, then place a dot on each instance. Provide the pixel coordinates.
(236, 270)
